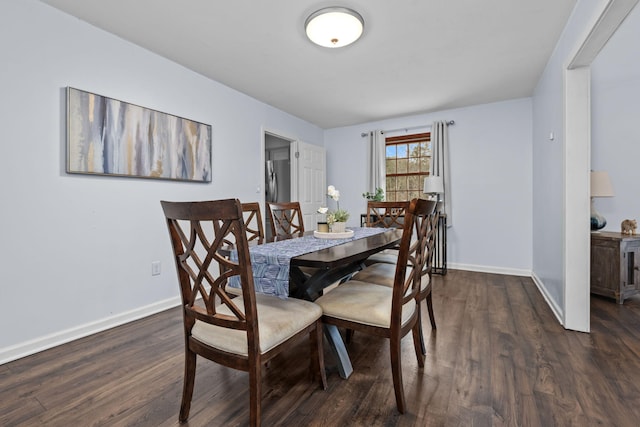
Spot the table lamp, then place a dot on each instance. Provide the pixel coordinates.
(434, 185)
(600, 187)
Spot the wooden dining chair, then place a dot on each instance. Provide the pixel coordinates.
(253, 222)
(286, 218)
(386, 215)
(389, 312)
(241, 333)
(426, 284)
(254, 231)
(384, 273)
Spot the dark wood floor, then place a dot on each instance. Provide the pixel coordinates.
(498, 358)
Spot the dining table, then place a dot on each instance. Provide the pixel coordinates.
(303, 265)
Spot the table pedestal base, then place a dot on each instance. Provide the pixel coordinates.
(339, 350)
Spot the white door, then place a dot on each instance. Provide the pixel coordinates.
(309, 180)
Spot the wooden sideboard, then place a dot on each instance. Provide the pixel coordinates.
(615, 260)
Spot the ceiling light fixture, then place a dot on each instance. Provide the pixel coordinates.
(334, 26)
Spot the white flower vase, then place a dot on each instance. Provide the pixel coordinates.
(338, 227)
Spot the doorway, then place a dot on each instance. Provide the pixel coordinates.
(278, 173)
(577, 163)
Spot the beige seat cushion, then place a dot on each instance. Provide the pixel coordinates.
(384, 274)
(233, 291)
(378, 273)
(279, 319)
(361, 302)
(388, 256)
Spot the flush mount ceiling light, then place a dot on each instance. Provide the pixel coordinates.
(334, 26)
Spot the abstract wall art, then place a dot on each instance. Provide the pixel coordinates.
(106, 136)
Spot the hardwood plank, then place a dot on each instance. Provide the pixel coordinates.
(510, 389)
(552, 382)
(498, 358)
(472, 373)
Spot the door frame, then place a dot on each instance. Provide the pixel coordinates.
(264, 131)
(577, 161)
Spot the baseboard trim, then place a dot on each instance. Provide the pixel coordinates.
(53, 340)
(557, 311)
(490, 269)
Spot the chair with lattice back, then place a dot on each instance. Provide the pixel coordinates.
(383, 273)
(426, 283)
(254, 230)
(389, 312)
(286, 218)
(243, 332)
(253, 222)
(385, 215)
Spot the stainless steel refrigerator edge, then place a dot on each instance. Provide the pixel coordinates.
(278, 181)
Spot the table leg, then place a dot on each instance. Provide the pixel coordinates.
(310, 288)
(339, 350)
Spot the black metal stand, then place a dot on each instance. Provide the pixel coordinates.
(439, 263)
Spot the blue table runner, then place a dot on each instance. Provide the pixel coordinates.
(270, 262)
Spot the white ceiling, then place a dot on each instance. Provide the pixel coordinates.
(415, 56)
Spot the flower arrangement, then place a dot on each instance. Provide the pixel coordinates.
(339, 215)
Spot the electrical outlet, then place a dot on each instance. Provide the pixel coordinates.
(155, 268)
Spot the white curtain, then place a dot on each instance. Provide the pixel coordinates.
(377, 176)
(440, 163)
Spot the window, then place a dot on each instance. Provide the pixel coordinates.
(408, 159)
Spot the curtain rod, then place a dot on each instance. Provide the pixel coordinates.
(448, 122)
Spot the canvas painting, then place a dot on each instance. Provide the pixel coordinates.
(110, 137)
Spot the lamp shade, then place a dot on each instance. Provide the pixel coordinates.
(601, 184)
(433, 185)
(334, 26)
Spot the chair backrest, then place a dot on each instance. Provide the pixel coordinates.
(286, 218)
(386, 214)
(412, 254)
(253, 222)
(199, 233)
(432, 230)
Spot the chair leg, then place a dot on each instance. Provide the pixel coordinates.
(255, 393)
(432, 318)
(396, 371)
(187, 387)
(418, 342)
(317, 355)
(423, 348)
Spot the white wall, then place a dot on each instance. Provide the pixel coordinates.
(549, 266)
(615, 138)
(491, 181)
(78, 249)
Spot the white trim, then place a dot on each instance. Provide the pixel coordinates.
(611, 17)
(557, 311)
(577, 161)
(490, 269)
(264, 130)
(62, 337)
(53, 340)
